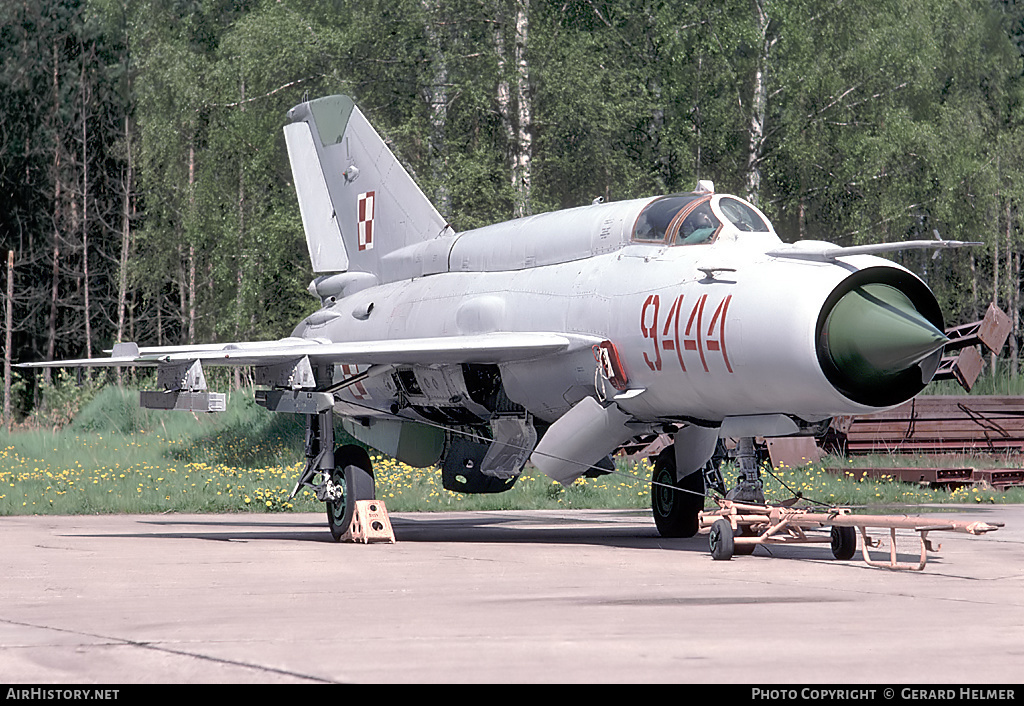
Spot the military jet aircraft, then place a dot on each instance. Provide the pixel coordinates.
(560, 337)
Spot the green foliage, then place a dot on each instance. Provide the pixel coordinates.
(61, 399)
(113, 409)
(116, 458)
(882, 121)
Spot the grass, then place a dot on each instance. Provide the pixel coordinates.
(998, 379)
(853, 488)
(89, 480)
(118, 458)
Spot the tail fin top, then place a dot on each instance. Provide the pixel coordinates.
(357, 201)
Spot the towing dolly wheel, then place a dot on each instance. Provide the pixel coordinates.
(844, 542)
(721, 540)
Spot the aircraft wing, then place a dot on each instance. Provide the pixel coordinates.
(479, 348)
(825, 252)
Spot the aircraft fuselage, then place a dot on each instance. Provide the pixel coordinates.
(703, 332)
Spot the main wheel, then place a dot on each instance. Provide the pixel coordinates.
(721, 540)
(844, 542)
(353, 473)
(675, 504)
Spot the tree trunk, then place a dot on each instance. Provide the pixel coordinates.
(239, 277)
(191, 247)
(51, 331)
(995, 290)
(210, 294)
(974, 286)
(159, 316)
(516, 116)
(8, 320)
(126, 216)
(697, 117)
(437, 101)
(51, 334)
(504, 91)
(182, 291)
(85, 215)
(523, 153)
(759, 105)
(1009, 264)
(1015, 316)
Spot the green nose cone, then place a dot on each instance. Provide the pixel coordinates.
(875, 335)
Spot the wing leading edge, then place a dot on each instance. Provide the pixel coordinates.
(481, 348)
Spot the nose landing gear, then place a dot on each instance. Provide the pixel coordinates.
(749, 488)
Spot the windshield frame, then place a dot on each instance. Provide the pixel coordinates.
(727, 227)
(677, 229)
(692, 201)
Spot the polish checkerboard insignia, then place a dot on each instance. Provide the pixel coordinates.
(366, 204)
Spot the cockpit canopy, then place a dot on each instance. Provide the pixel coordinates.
(693, 219)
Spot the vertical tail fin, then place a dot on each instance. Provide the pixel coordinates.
(357, 201)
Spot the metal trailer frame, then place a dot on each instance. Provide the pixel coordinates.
(738, 528)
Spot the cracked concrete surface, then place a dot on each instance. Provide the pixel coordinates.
(517, 596)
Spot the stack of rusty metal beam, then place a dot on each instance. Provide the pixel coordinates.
(938, 424)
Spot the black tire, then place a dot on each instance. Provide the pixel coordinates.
(721, 540)
(675, 511)
(844, 542)
(353, 472)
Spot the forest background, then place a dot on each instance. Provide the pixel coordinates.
(145, 191)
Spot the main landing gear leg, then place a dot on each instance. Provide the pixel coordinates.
(749, 488)
(345, 474)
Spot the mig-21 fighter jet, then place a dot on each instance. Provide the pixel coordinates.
(557, 338)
